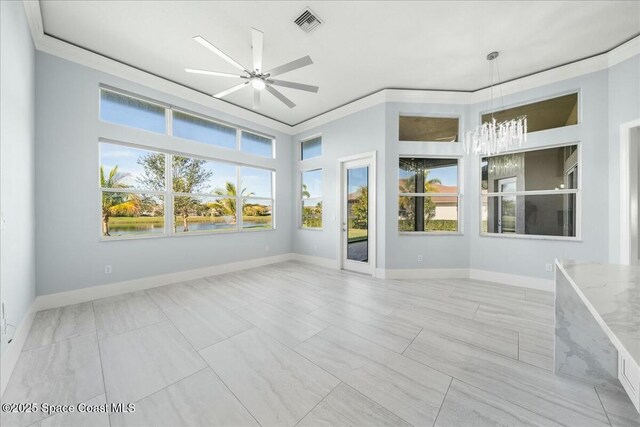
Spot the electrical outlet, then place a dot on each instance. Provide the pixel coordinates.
(549, 267)
(419, 258)
(107, 269)
(315, 248)
(266, 248)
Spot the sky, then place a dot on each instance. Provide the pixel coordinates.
(313, 181)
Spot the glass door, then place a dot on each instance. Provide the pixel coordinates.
(356, 247)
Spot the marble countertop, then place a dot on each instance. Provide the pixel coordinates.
(613, 292)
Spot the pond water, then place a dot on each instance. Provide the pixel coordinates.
(141, 229)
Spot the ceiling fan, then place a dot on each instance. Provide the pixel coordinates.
(257, 78)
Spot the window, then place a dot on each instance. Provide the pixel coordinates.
(202, 197)
(548, 114)
(428, 129)
(257, 200)
(428, 195)
(311, 148)
(311, 199)
(531, 193)
(202, 130)
(132, 205)
(129, 111)
(256, 144)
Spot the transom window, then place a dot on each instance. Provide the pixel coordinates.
(428, 129)
(311, 148)
(127, 110)
(428, 195)
(531, 192)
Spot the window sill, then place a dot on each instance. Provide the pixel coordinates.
(430, 233)
(532, 237)
(311, 228)
(188, 234)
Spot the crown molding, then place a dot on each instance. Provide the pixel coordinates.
(59, 48)
(64, 50)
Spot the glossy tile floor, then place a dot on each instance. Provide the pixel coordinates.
(293, 344)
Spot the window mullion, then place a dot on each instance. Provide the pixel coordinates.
(168, 208)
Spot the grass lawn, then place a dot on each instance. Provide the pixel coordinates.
(357, 234)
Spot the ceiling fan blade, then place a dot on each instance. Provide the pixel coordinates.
(218, 52)
(290, 66)
(256, 46)
(280, 96)
(292, 85)
(212, 73)
(230, 90)
(256, 99)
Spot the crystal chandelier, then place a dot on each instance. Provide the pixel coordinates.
(494, 137)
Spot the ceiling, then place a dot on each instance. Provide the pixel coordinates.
(361, 48)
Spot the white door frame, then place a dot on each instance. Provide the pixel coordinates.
(373, 206)
(625, 190)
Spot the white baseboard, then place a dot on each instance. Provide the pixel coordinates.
(12, 353)
(315, 260)
(513, 280)
(60, 299)
(423, 273)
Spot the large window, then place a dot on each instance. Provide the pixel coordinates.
(311, 148)
(428, 195)
(311, 199)
(124, 109)
(202, 196)
(531, 193)
(428, 129)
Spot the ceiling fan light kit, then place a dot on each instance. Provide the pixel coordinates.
(256, 78)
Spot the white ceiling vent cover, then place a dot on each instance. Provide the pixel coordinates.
(307, 20)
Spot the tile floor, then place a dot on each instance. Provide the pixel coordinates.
(293, 344)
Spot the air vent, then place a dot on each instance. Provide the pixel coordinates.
(307, 20)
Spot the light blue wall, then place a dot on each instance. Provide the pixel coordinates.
(358, 133)
(607, 98)
(17, 137)
(624, 106)
(69, 252)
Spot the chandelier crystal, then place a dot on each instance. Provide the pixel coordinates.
(494, 137)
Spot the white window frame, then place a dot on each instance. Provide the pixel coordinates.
(458, 195)
(576, 191)
(168, 196)
(301, 200)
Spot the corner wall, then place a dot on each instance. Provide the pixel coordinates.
(17, 166)
(70, 254)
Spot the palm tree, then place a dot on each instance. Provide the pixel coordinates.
(305, 192)
(116, 203)
(227, 205)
